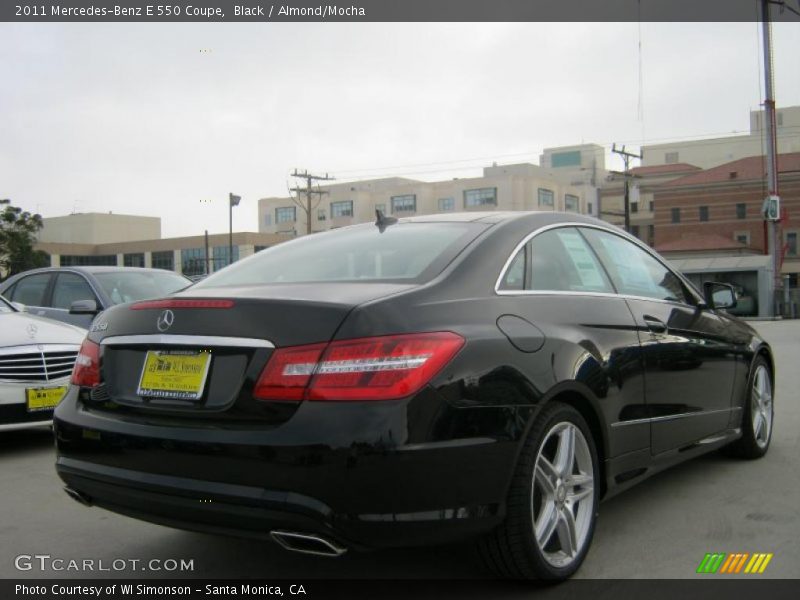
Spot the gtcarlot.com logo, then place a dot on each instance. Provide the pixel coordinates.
(735, 563)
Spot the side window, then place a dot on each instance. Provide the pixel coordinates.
(562, 260)
(69, 288)
(557, 260)
(30, 290)
(634, 271)
(514, 278)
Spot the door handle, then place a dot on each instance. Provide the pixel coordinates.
(654, 324)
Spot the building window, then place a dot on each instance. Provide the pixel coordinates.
(571, 203)
(651, 235)
(703, 213)
(133, 260)
(676, 215)
(743, 237)
(343, 208)
(221, 256)
(193, 261)
(257, 249)
(791, 243)
(741, 210)
(650, 206)
(635, 230)
(779, 117)
(566, 159)
(447, 204)
(107, 260)
(164, 260)
(671, 158)
(286, 214)
(407, 203)
(480, 197)
(545, 197)
(590, 208)
(321, 215)
(381, 207)
(634, 207)
(268, 220)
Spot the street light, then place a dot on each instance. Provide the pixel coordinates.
(233, 200)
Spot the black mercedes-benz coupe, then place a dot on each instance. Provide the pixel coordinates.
(414, 381)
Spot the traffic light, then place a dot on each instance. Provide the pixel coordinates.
(772, 208)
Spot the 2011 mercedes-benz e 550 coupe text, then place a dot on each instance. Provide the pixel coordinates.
(414, 381)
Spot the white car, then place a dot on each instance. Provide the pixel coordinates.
(36, 360)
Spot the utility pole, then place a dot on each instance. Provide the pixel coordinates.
(233, 200)
(626, 156)
(309, 193)
(772, 204)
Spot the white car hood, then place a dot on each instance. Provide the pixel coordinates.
(22, 329)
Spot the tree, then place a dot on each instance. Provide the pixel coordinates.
(18, 231)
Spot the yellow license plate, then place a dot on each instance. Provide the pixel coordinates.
(180, 375)
(44, 398)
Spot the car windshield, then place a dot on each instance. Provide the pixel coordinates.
(403, 252)
(128, 286)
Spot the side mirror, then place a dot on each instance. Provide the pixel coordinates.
(20, 306)
(719, 295)
(83, 307)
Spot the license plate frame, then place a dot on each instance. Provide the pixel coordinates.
(163, 385)
(40, 399)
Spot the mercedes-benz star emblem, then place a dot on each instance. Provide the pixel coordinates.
(165, 320)
(32, 330)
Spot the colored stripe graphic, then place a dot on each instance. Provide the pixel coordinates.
(758, 564)
(720, 562)
(711, 562)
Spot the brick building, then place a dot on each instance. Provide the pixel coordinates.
(725, 202)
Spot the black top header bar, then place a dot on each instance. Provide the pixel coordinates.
(253, 11)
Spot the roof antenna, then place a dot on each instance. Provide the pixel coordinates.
(382, 221)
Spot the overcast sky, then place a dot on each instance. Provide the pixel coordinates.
(135, 118)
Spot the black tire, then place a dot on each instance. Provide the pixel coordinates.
(511, 550)
(748, 446)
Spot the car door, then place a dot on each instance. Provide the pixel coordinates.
(68, 288)
(689, 361)
(32, 291)
(556, 285)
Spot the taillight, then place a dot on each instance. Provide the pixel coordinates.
(288, 372)
(86, 372)
(377, 368)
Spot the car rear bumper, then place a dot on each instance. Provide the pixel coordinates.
(360, 495)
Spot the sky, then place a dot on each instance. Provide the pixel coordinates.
(167, 119)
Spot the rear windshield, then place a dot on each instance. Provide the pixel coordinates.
(404, 252)
(129, 286)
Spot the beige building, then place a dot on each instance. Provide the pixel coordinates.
(99, 228)
(132, 241)
(502, 187)
(712, 152)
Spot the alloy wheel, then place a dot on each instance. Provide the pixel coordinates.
(761, 406)
(562, 499)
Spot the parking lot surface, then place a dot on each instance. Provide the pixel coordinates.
(659, 529)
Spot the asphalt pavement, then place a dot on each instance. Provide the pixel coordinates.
(660, 529)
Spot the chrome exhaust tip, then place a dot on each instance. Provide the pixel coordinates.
(307, 543)
(78, 496)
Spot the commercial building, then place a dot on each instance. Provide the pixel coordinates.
(643, 181)
(568, 184)
(127, 240)
(717, 212)
(711, 152)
